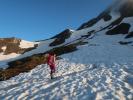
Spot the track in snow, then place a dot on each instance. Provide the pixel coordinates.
(73, 81)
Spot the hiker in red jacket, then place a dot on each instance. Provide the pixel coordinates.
(51, 62)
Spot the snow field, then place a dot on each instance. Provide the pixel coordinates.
(73, 81)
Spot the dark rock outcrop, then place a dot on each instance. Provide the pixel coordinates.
(125, 43)
(123, 28)
(61, 37)
(130, 35)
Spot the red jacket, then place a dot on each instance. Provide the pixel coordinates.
(51, 61)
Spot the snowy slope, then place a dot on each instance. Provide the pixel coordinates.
(73, 81)
(44, 45)
(101, 69)
(96, 36)
(103, 48)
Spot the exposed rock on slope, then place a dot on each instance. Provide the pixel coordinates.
(13, 45)
(60, 38)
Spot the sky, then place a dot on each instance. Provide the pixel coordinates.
(34, 20)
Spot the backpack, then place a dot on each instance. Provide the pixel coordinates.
(50, 60)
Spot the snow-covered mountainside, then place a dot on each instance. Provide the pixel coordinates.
(97, 61)
(113, 26)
